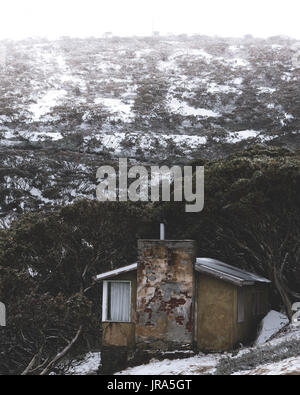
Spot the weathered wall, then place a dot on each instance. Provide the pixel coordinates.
(217, 326)
(120, 333)
(165, 292)
(214, 313)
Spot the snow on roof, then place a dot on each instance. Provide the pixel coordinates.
(227, 273)
(116, 272)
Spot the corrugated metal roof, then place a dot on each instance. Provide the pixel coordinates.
(116, 272)
(203, 265)
(227, 272)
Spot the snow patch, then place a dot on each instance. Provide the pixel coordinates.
(9, 134)
(118, 108)
(287, 367)
(89, 365)
(38, 136)
(265, 89)
(119, 141)
(215, 88)
(238, 62)
(238, 81)
(184, 109)
(44, 105)
(236, 137)
(197, 365)
(270, 325)
(4, 118)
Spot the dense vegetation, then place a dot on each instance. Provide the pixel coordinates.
(48, 260)
(47, 264)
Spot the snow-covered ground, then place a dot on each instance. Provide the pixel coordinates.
(198, 365)
(287, 367)
(118, 109)
(72, 102)
(271, 324)
(207, 364)
(87, 366)
(272, 348)
(118, 140)
(46, 103)
(108, 90)
(236, 137)
(184, 109)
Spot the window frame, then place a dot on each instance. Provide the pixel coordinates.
(105, 301)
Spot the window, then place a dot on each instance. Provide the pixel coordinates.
(116, 301)
(2, 314)
(240, 305)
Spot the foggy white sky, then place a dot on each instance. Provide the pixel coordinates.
(81, 18)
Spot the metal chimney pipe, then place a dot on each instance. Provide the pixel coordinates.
(162, 231)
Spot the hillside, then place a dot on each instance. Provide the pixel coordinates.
(70, 105)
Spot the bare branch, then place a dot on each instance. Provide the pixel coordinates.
(31, 363)
(62, 353)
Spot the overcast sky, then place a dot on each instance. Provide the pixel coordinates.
(81, 18)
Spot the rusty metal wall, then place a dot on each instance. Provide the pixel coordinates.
(165, 293)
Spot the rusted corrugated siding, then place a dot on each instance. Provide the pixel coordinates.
(165, 294)
(246, 330)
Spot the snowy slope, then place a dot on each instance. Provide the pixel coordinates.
(286, 367)
(199, 365)
(70, 105)
(270, 325)
(278, 356)
(212, 364)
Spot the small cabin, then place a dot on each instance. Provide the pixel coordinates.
(172, 301)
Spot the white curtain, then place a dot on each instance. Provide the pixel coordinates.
(2, 314)
(119, 301)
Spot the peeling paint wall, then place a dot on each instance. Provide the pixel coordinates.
(118, 334)
(165, 293)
